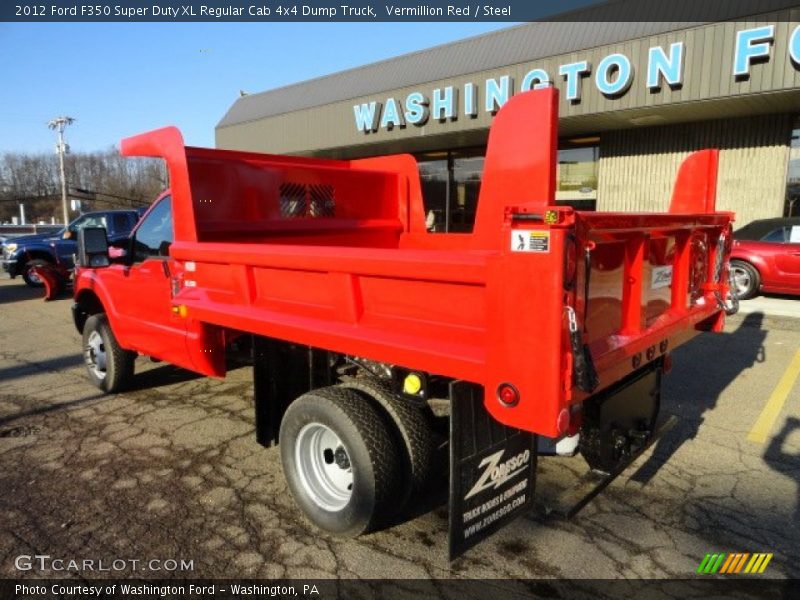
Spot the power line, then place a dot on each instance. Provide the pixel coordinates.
(53, 199)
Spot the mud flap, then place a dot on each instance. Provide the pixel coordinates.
(492, 470)
(281, 373)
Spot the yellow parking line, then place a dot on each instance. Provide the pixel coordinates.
(760, 431)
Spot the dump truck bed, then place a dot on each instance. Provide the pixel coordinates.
(335, 255)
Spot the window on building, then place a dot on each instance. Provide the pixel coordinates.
(434, 174)
(451, 182)
(792, 206)
(466, 185)
(577, 172)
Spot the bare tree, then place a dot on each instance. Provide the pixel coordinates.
(105, 180)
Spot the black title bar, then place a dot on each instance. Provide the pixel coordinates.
(99, 11)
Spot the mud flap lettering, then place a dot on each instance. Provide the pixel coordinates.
(492, 470)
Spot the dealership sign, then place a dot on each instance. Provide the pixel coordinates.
(612, 77)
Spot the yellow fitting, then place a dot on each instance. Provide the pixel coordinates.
(412, 384)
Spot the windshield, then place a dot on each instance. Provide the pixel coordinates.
(87, 221)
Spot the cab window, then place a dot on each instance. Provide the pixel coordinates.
(776, 235)
(120, 221)
(154, 235)
(88, 221)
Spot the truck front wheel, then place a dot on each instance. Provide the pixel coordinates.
(29, 273)
(109, 365)
(341, 461)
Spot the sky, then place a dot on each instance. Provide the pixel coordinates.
(120, 79)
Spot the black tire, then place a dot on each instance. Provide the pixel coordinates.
(370, 450)
(746, 276)
(412, 427)
(113, 371)
(29, 276)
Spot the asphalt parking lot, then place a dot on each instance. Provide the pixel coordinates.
(171, 470)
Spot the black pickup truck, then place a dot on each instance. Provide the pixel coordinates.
(23, 253)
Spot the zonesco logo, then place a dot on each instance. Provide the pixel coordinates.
(738, 563)
(496, 473)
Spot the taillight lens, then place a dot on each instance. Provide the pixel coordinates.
(507, 394)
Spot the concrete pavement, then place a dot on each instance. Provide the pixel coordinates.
(171, 470)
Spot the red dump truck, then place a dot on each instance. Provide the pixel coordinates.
(377, 345)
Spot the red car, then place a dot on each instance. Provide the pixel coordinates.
(766, 257)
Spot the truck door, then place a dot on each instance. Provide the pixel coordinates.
(143, 290)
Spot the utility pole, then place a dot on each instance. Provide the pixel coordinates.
(58, 124)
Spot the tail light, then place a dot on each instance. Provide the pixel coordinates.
(575, 420)
(507, 394)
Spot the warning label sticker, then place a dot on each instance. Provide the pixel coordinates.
(526, 240)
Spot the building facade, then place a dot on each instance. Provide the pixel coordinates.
(635, 99)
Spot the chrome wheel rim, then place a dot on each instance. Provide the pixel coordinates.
(741, 280)
(32, 276)
(95, 355)
(323, 467)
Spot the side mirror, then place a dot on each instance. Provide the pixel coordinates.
(93, 247)
(67, 235)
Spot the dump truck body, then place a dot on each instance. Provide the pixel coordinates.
(539, 309)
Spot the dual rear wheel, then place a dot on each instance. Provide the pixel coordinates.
(348, 462)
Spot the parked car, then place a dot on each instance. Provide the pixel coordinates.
(22, 254)
(766, 257)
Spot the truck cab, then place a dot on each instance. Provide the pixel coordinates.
(142, 276)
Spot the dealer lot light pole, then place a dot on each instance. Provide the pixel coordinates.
(58, 124)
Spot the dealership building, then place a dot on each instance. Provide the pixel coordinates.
(635, 99)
